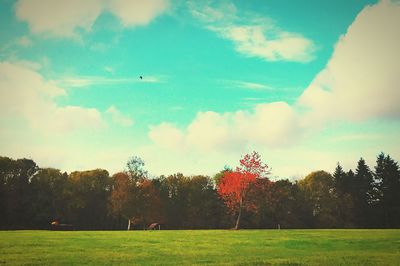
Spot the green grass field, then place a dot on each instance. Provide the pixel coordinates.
(221, 247)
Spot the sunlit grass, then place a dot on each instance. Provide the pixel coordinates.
(222, 247)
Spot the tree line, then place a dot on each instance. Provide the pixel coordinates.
(32, 197)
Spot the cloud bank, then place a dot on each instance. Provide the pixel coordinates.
(26, 94)
(361, 79)
(66, 18)
(274, 124)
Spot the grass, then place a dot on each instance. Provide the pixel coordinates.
(221, 247)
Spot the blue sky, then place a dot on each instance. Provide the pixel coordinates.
(305, 83)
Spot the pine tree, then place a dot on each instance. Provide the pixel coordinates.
(387, 175)
(363, 191)
(343, 198)
(340, 179)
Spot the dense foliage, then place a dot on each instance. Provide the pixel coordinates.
(234, 186)
(33, 197)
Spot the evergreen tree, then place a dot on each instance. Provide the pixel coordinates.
(387, 174)
(362, 194)
(343, 198)
(340, 179)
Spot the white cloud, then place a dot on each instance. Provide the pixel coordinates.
(65, 18)
(119, 118)
(176, 108)
(165, 162)
(167, 136)
(361, 80)
(210, 130)
(213, 11)
(85, 81)
(109, 69)
(151, 79)
(253, 99)
(24, 93)
(269, 125)
(255, 36)
(272, 125)
(69, 118)
(93, 80)
(252, 41)
(58, 17)
(251, 85)
(137, 12)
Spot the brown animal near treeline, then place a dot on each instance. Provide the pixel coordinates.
(56, 225)
(154, 226)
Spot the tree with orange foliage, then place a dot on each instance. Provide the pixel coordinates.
(234, 185)
(138, 202)
(135, 197)
(150, 207)
(122, 198)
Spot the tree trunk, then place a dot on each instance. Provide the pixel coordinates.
(240, 214)
(129, 224)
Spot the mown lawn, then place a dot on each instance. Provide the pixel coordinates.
(221, 247)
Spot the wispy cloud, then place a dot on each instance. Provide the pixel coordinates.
(253, 99)
(118, 117)
(212, 11)
(109, 69)
(87, 81)
(24, 41)
(152, 79)
(176, 108)
(250, 85)
(253, 85)
(252, 34)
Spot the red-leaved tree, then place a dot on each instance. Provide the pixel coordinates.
(234, 185)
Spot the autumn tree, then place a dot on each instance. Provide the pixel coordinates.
(149, 207)
(121, 198)
(133, 196)
(233, 187)
(87, 196)
(319, 198)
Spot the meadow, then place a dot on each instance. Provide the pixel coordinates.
(193, 247)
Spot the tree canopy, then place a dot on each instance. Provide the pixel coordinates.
(32, 197)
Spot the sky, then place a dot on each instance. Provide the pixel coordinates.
(307, 84)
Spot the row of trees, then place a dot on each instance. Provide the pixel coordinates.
(33, 197)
